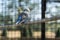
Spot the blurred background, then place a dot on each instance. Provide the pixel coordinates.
(9, 15)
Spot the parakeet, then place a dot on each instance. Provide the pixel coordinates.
(23, 16)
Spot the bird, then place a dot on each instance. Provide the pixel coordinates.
(23, 16)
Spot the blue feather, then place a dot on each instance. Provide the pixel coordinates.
(19, 19)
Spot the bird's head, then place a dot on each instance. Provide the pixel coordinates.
(26, 10)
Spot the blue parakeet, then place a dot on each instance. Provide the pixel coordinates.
(23, 16)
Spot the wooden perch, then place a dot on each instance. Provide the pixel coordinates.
(34, 22)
